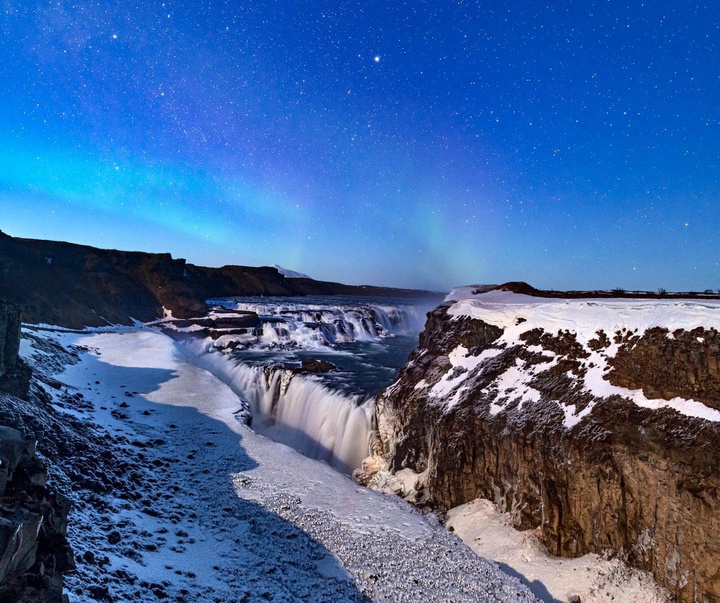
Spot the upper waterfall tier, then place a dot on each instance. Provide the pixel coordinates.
(313, 323)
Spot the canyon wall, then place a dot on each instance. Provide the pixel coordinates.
(594, 422)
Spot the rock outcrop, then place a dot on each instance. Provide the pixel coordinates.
(683, 364)
(34, 553)
(588, 420)
(14, 373)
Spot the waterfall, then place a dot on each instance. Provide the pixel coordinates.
(287, 324)
(297, 410)
(300, 410)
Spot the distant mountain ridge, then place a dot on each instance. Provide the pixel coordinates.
(74, 285)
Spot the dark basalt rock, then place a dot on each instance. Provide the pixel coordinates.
(642, 483)
(307, 366)
(14, 373)
(315, 365)
(34, 552)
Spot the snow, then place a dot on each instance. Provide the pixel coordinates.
(552, 579)
(514, 384)
(467, 291)
(289, 273)
(584, 318)
(223, 514)
(462, 367)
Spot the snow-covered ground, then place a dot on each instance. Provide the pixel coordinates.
(289, 273)
(552, 579)
(207, 510)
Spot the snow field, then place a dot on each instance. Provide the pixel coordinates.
(552, 579)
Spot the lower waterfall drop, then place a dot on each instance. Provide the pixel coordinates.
(299, 411)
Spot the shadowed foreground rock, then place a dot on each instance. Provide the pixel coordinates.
(33, 549)
(34, 552)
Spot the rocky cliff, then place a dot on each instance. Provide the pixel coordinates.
(76, 285)
(594, 421)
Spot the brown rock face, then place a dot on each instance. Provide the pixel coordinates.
(683, 364)
(641, 482)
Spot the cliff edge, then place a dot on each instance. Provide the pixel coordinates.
(596, 421)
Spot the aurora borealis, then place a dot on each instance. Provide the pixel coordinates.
(420, 144)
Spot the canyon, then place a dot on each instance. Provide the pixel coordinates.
(590, 418)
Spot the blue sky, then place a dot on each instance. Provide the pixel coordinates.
(418, 144)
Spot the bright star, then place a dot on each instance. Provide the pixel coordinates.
(377, 59)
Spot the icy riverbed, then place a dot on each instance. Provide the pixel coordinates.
(206, 510)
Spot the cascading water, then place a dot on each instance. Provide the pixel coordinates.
(315, 324)
(329, 416)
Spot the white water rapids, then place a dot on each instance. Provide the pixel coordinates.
(318, 324)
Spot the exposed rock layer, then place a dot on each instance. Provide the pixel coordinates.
(628, 479)
(683, 364)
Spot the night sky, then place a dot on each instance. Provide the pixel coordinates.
(422, 144)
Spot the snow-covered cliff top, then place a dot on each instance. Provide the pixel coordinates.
(584, 317)
(586, 320)
(289, 273)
